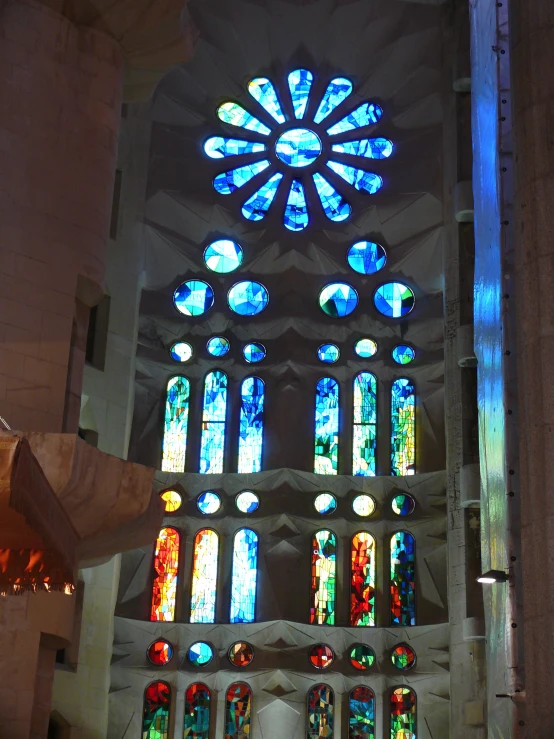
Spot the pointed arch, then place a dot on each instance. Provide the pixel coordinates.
(204, 577)
(361, 713)
(251, 428)
(362, 579)
(214, 416)
(364, 432)
(166, 568)
(326, 457)
(244, 577)
(402, 579)
(196, 724)
(403, 427)
(321, 711)
(238, 711)
(155, 712)
(174, 444)
(403, 713)
(323, 578)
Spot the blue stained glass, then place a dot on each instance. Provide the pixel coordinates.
(365, 115)
(361, 718)
(257, 206)
(402, 579)
(218, 346)
(296, 210)
(328, 353)
(403, 354)
(394, 300)
(334, 205)
(366, 257)
(193, 298)
(358, 178)
(338, 299)
(181, 351)
(247, 501)
(325, 503)
(236, 115)
(208, 503)
(223, 256)
(218, 147)
(174, 444)
(364, 441)
(402, 427)
(244, 577)
(298, 147)
(251, 428)
(365, 348)
(247, 298)
(326, 427)
(228, 182)
(263, 91)
(369, 148)
(213, 422)
(337, 91)
(254, 353)
(300, 83)
(200, 654)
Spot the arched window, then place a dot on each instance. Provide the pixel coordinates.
(244, 576)
(362, 580)
(364, 441)
(214, 411)
(323, 581)
(361, 713)
(402, 579)
(251, 430)
(174, 445)
(321, 719)
(238, 709)
(166, 567)
(155, 713)
(326, 460)
(403, 714)
(402, 427)
(204, 577)
(197, 712)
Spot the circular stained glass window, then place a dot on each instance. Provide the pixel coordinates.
(328, 353)
(363, 505)
(361, 656)
(403, 657)
(254, 352)
(172, 500)
(218, 346)
(223, 256)
(200, 654)
(322, 656)
(298, 147)
(181, 351)
(193, 298)
(247, 501)
(208, 502)
(247, 298)
(365, 348)
(394, 299)
(338, 299)
(366, 257)
(241, 654)
(160, 652)
(325, 503)
(403, 354)
(403, 504)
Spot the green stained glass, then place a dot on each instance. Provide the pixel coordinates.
(361, 713)
(362, 657)
(236, 115)
(326, 458)
(403, 354)
(174, 444)
(403, 714)
(402, 427)
(197, 712)
(364, 443)
(321, 717)
(155, 714)
(323, 580)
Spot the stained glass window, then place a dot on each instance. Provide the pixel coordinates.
(321, 705)
(174, 445)
(361, 657)
(337, 91)
(358, 178)
(193, 298)
(403, 504)
(378, 148)
(403, 714)
(364, 442)
(155, 713)
(403, 354)
(333, 204)
(402, 579)
(238, 710)
(197, 712)
(204, 577)
(181, 351)
(328, 353)
(326, 427)
(251, 429)
(263, 91)
(365, 348)
(200, 654)
(223, 256)
(322, 656)
(298, 147)
(362, 580)
(300, 83)
(323, 581)
(172, 500)
(257, 206)
(218, 346)
(296, 211)
(166, 567)
(366, 257)
(394, 299)
(214, 414)
(361, 713)
(247, 298)
(402, 427)
(247, 501)
(236, 115)
(229, 182)
(254, 352)
(403, 657)
(325, 503)
(365, 115)
(338, 299)
(208, 503)
(244, 576)
(160, 652)
(218, 147)
(363, 505)
(240, 654)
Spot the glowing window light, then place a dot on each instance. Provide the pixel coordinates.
(363, 505)
(402, 427)
(361, 657)
(328, 353)
(298, 147)
(402, 579)
(263, 91)
(326, 458)
(238, 711)
(365, 114)
(218, 346)
(212, 445)
(223, 256)
(247, 501)
(160, 652)
(366, 257)
(204, 577)
(257, 206)
(219, 147)
(378, 148)
(254, 352)
(181, 351)
(323, 580)
(361, 713)
(196, 723)
(338, 299)
(155, 712)
(394, 299)
(403, 714)
(244, 576)
(362, 580)
(174, 445)
(251, 430)
(321, 714)
(337, 91)
(358, 178)
(300, 83)
(166, 566)
(172, 500)
(193, 298)
(296, 216)
(365, 348)
(364, 443)
(208, 503)
(235, 115)
(403, 657)
(403, 354)
(325, 503)
(334, 205)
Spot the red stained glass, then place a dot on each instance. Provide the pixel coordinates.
(241, 654)
(155, 715)
(321, 656)
(361, 693)
(164, 587)
(362, 583)
(403, 657)
(160, 652)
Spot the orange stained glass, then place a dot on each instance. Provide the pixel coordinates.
(172, 500)
(164, 587)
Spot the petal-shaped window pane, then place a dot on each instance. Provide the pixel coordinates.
(321, 714)
(244, 577)
(181, 351)
(218, 147)
(361, 714)
(323, 580)
(223, 256)
(247, 298)
(300, 83)
(337, 91)
(328, 353)
(394, 299)
(251, 430)
(362, 580)
(358, 178)
(378, 148)
(365, 115)
(403, 713)
(364, 442)
(263, 91)
(366, 257)
(326, 456)
(402, 427)
(238, 711)
(204, 577)
(197, 712)
(257, 206)
(236, 115)
(296, 210)
(228, 182)
(155, 712)
(338, 299)
(403, 354)
(174, 445)
(212, 442)
(166, 565)
(334, 206)
(193, 298)
(218, 346)
(402, 579)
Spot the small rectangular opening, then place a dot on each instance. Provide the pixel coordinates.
(114, 223)
(97, 335)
